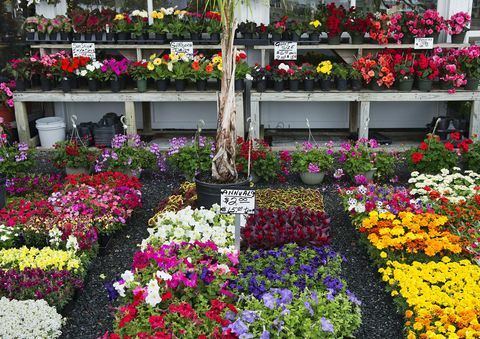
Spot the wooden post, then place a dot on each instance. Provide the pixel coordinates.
(364, 118)
(130, 117)
(21, 118)
(475, 120)
(353, 116)
(147, 117)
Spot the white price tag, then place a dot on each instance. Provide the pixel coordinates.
(237, 202)
(84, 49)
(423, 43)
(182, 47)
(285, 50)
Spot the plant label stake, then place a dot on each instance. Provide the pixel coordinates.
(240, 203)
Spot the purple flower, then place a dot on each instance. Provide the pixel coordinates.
(269, 300)
(265, 335)
(309, 308)
(361, 180)
(238, 327)
(315, 297)
(338, 173)
(249, 316)
(327, 326)
(313, 168)
(307, 146)
(353, 298)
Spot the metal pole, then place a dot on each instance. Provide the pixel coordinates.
(237, 231)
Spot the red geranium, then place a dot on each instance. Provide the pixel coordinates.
(417, 157)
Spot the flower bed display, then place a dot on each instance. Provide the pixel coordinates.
(269, 198)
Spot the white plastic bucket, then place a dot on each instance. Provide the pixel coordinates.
(51, 130)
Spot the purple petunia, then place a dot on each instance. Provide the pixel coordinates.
(327, 326)
(309, 308)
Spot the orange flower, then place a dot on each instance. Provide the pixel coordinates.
(209, 68)
(195, 66)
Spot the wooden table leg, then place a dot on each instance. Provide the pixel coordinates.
(255, 118)
(130, 117)
(21, 118)
(364, 118)
(147, 117)
(475, 120)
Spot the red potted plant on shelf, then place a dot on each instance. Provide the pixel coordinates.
(308, 75)
(20, 70)
(404, 71)
(469, 62)
(450, 74)
(79, 22)
(279, 75)
(378, 72)
(278, 28)
(335, 18)
(426, 70)
(66, 69)
(139, 72)
(402, 26)
(429, 24)
(262, 31)
(458, 26)
(357, 24)
(122, 25)
(378, 29)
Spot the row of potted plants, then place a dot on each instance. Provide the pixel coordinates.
(399, 27)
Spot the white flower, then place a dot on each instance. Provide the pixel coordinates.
(4, 238)
(164, 275)
(283, 66)
(153, 296)
(72, 243)
(128, 276)
(360, 208)
(120, 288)
(248, 77)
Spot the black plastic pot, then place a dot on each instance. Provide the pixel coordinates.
(314, 36)
(123, 36)
(215, 36)
(308, 85)
(356, 84)
(334, 40)
(162, 84)
(195, 36)
(180, 85)
(459, 38)
(35, 80)
(92, 85)
(247, 35)
(357, 38)
(21, 85)
(278, 85)
(98, 36)
(276, 36)
(405, 85)
(424, 85)
(3, 192)
(45, 84)
(285, 36)
(161, 36)
(261, 85)
(472, 84)
(325, 84)
(294, 36)
(239, 84)
(293, 85)
(123, 81)
(41, 36)
(64, 36)
(208, 194)
(53, 36)
(201, 85)
(77, 36)
(342, 84)
(115, 85)
(263, 35)
(31, 36)
(110, 36)
(87, 36)
(177, 37)
(66, 85)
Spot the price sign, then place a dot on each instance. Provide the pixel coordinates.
(285, 50)
(237, 202)
(423, 43)
(182, 47)
(84, 49)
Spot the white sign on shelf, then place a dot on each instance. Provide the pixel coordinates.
(285, 50)
(182, 47)
(423, 43)
(84, 49)
(237, 201)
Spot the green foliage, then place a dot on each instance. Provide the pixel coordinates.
(302, 158)
(431, 156)
(385, 164)
(74, 155)
(307, 198)
(341, 71)
(191, 159)
(15, 160)
(471, 159)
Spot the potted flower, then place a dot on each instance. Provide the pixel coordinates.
(355, 77)
(314, 29)
(19, 69)
(259, 75)
(177, 26)
(469, 62)
(65, 28)
(324, 71)
(378, 29)
(296, 29)
(431, 156)
(139, 24)
(113, 71)
(74, 157)
(311, 162)
(308, 74)
(357, 24)
(139, 72)
(451, 76)
(128, 155)
(202, 69)
(295, 75)
(54, 28)
(247, 29)
(66, 69)
(279, 75)
(79, 22)
(356, 159)
(278, 28)
(242, 70)
(262, 31)
(107, 16)
(194, 25)
(213, 22)
(340, 72)
(402, 26)
(458, 26)
(42, 27)
(335, 18)
(430, 24)
(161, 73)
(376, 72)
(6, 101)
(30, 26)
(404, 71)
(122, 25)
(264, 163)
(159, 25)
(190, 157)
(181, 70)
(426, 71)
(92, 72)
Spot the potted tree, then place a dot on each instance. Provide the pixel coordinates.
(311, 162)
(74, 157)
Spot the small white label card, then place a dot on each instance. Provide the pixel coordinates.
(285, 50)
(423, 43)
(237, 201)
(84, 49)
(182, 47)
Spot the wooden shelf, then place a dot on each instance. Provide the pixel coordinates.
(361, 46)
(103, 45)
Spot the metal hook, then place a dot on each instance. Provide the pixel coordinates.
(123, 120)
(200, 125)
(74, 119)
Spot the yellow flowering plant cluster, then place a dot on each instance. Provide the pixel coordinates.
(439, 299)
(324, 69)
(45, 259)
(423, 233)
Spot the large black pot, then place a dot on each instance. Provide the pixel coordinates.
(278, 85)
(92, 85)
(309, 85)
(115, 85)
(123, 36)
(64, 36)
(162, 84)
(261, 85)
(215, 36)
(66, 84)
(325, 84)
(239, 84)
(21, 85)
(208, 194)
(293, 84)
(356, 84)
(98, 36)
(180, 85)
(45, 84)
(3, 192)
(201, 84)
(342, 84)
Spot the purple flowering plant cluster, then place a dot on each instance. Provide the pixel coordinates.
(14, 159)
(113, 69)
(40, 184)
(312, 158)
(292, 292)
(190, 156)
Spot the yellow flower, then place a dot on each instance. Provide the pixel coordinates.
(157, 61)
(157, 15)
(220, 66)
(325, 67)
(217, 59)
(119, 17)
(383, 255)
(315, 23)
(150, 66)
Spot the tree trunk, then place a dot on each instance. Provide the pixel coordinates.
(223, 164)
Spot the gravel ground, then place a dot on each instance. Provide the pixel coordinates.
(91, 314)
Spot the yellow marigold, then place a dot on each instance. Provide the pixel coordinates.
(119, 17)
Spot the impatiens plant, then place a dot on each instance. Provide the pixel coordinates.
(35, 185)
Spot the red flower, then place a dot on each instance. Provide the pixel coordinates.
(423, 146)
(417, 157)
(156, 321)
(455, 136)
(449, 146)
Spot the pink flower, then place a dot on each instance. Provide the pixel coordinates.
(313, 168)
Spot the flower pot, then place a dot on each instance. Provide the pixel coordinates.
(285, 36)
(356, 84)
(195, 36)
(312, 178)
(41, 36)
(424, 85)
(161, 36)
(239, 84)
(325, 84)
(459, 38)
(293, 85)
(21, 85)
(80, 170)
(276, 36)
(110, 36)
(215, 36)
(64, 36)
(115, 85)
(405, 85)
(308, 85)
(66, 85)
(201, 84)
(369, 174)
(180, 85)
(6, 113)
(261, 85)
(278, 85)
(53, 36)
(263, 35)
(314, 36)
(446, 85)
(334, 40)
(87, 36)
(45, 84)
(144, 36)
(74, 81)
(92, 85)
(3, 191)
(294, 36)
(357, 38)
(123, 36)
(374, 86)
(435, 37)
(123, 81)
(247, 35)
(162, 84)
(77, 36)
(208, 193)
(98, 36)
(342, 84)
(177, 37)
(472, 84)
(408, 39)
(142, 85)
(30, 36)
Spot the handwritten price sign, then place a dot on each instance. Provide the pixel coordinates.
(423, 43)
(182, 47)
(285, 50)
(237, 202)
